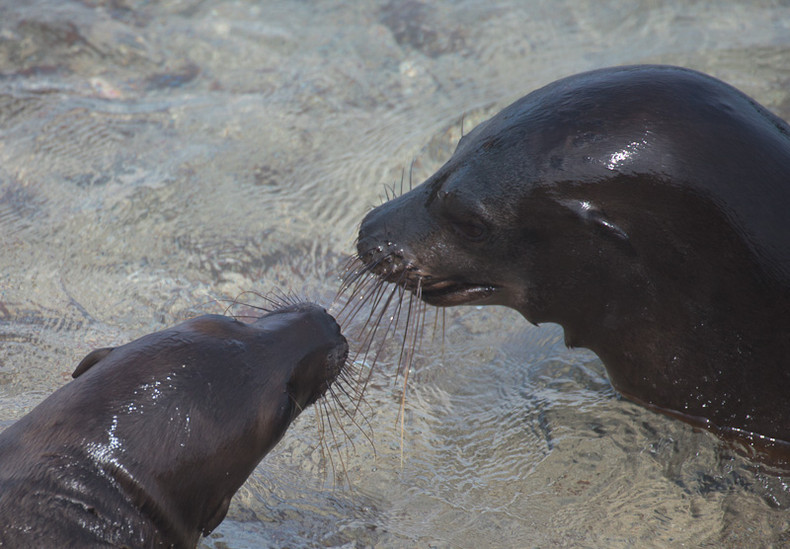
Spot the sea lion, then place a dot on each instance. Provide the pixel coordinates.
(645, 209)
(146, 447)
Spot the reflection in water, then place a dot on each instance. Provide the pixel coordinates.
(157, 159)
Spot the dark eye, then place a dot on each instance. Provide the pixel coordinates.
(471, 229)
(465, 223)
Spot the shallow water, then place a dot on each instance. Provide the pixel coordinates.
(157, 159)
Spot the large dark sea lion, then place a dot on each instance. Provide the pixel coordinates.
(646, 209)
(146, 447)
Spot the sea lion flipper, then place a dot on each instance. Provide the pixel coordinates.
(90, 359)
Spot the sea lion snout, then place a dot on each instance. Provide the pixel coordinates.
(320, 348)
(383, 253)
(433, 274)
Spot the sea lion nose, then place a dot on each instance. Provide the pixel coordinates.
(377, 234)
(370, 239)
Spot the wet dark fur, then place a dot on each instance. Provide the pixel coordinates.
(149, 442)
(646, 210)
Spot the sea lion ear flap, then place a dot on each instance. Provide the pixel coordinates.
(591, 214)
(92, 358)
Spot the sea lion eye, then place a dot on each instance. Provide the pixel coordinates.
(464, 222)
(471, 229)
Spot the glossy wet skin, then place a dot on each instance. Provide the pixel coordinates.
(642, 208)
(161, 432)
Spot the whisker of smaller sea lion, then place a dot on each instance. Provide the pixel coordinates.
(351, 390)
(332, 405)
(231, 303)
(279, 299)
(323, 443)
(322, 413)
(348, 393)
(276, 300)
(338, 407)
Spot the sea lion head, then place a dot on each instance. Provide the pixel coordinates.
(160, 433)
(217, 393)
(584, 184)
(319, 348)
(642, 208)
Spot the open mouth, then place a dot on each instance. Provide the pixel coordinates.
(447, 293)
(434, 291)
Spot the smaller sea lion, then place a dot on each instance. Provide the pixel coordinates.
(149, 442)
